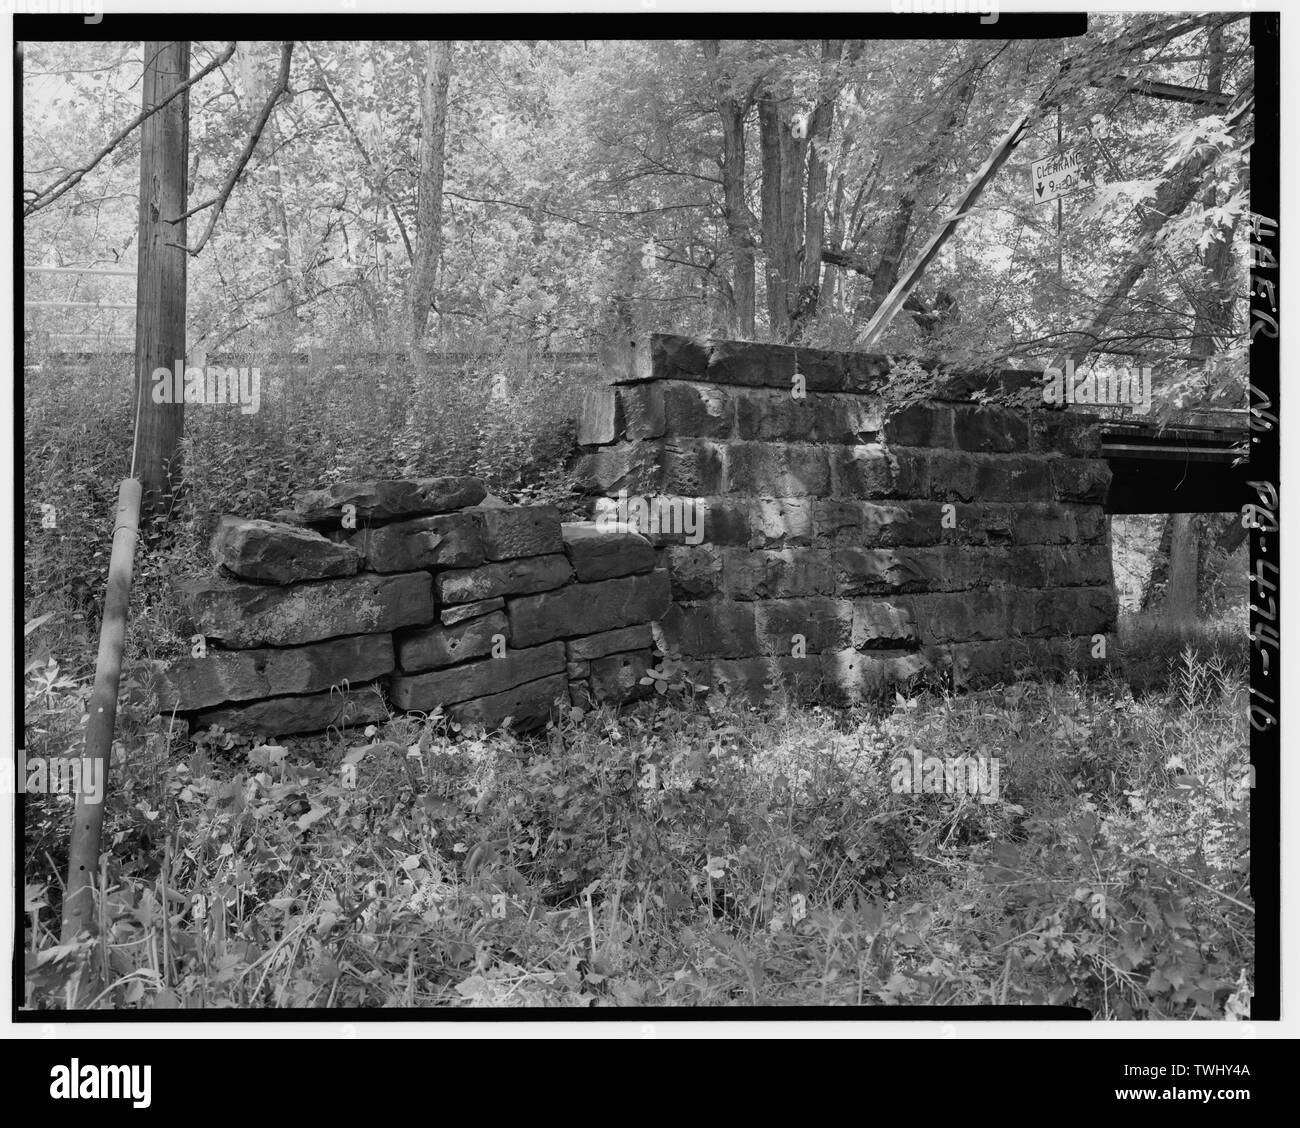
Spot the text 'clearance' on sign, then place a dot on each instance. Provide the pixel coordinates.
(1059, 175)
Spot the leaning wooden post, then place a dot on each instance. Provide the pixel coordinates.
(83, 849)
(912, 275)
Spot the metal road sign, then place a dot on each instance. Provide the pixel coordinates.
(1059, 175)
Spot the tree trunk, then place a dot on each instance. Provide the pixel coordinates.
(161, 272)
(428, 223)
(815, 203)
(740, 239)
(778, 271)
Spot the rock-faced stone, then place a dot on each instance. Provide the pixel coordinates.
(582, 609)
(990, 429)
(279, 716)
(712, 630)
(452, 540)
(864, 471)
(244, 675)
(601, 551)
(812, 625)
(696, 570)
(382, 500)
(639, 637)
(508, 577)
(878, 625)
(247, 615)
(785, 573)
(436, 647)
(635, 467)
(519, 530)
(687, 410)
(483, 678)
(596, 419)
(921, 424)
(526, 706)
(277, 553)
(778, 470)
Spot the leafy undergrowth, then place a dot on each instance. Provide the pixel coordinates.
(686, 852)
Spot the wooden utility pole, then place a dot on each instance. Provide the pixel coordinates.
(160, 270)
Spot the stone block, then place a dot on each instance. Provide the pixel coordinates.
(452, 540)
(864, 471)
(786, 573)
(526, 706)
(920, 424)
(1080, 479)
(868, 571)
(693, 467)
(315, 712)
(695, 571)
(822, 624)
(742, 677)
(244, 675)
(711, 630)
(377, 500)
(963, 616)
(601, 550)
(877, 625)
(852, 675)
(635, 467)
(990, 429)
(507, 577)
(1068, 432)
(777, 416)
(639, 637)
(780, 522)
(583, 609)
(727, 520)
(693, 411)
(777, 470)
(277, 553)
(1043, 522)
(628, 360)
(243, 616)
(1064, 611)
(641, 408)
(482, 678)
(436, 647)
(1017, 478)
(596, 417)
(518, 530)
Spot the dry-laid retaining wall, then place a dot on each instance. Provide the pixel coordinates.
(415, 592)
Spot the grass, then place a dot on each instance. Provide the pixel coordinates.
(694, 854)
